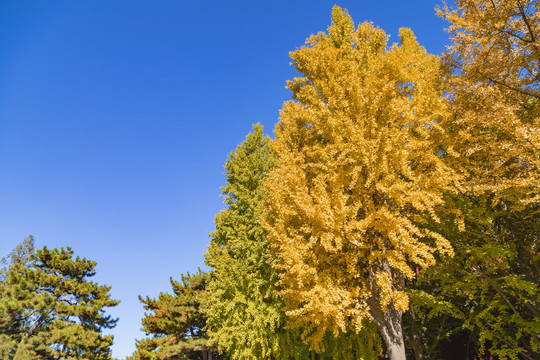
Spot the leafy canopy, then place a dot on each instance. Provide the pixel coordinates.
(243, 309)
(496, 97)
(359, 159)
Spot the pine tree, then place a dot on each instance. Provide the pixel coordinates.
(176, 323)
(359, 160)
(22, 254)
(50, 310)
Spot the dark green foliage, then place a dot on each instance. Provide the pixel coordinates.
(487, 295)
(49, 309)
(176, 324)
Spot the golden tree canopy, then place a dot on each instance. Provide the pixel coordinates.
(359, 164)
(495, 53)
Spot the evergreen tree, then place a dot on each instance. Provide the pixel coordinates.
(243, 309)
(176, 324)
(50, 310)
(22, 254)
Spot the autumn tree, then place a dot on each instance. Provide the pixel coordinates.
(176, 324)
(50, 310)
(245, 316)
(359, 161)
(496, 97)
(492, 282)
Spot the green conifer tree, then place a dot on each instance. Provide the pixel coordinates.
(22, 254)
(244, 312)
(50, 310)
(176, 324)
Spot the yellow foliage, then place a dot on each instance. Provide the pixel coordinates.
(496, 127)
(359, 161)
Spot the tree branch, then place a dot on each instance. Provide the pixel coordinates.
(526, 20)
(521, 91)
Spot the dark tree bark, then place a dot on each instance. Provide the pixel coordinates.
(416, 340)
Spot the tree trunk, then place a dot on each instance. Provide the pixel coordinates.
(416, 341)
(389, 324)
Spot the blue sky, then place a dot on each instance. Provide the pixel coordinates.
(116, 118)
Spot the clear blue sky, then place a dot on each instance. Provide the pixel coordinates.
(116, 118)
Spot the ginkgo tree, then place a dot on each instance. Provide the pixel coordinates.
(359, 160)
(494, 133)
(496, 97)
(244, 312)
